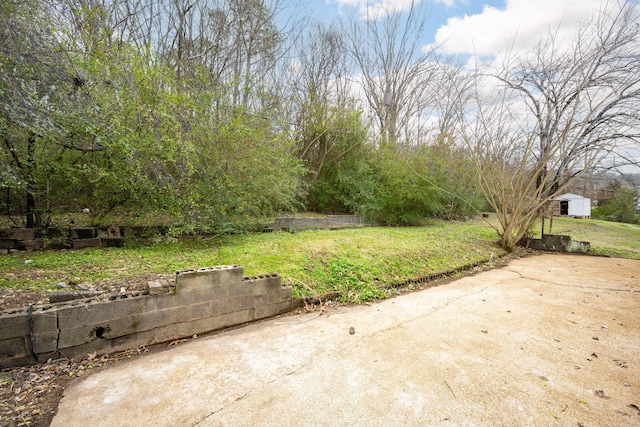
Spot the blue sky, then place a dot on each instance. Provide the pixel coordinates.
(488, 29)
(327, 10)
(485, 28)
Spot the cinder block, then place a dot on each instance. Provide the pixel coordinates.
(119, 308)
(31, 245)
(200, 311)
(14, 348)
(45, 343)
(283, 293)
(189, 280)
(198, 295)
(264, 285)
(15, 352)
(112, 242)
(268, 310)
(208, 277)
(84, 233)
(45, 321)
(80, 351)
(149, 321)
(73, 337)
(8, 244)
(245, 287)
(71, 316)
(65, 296)
(114, 231)
(86, 243)
(99, 312)
(57, 233)
(239, 303)
(203, 326)
(18, 233)
(44, 332)
(210, 324)
(18, 361)
(59, 243)
(14, 325)
(160, 302)
(238, 317)
(157, 288)
(260, 299)
(140, 339)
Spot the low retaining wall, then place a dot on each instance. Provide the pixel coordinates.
(557, 243)
(35, 239)
(320, 223)
(203, 300)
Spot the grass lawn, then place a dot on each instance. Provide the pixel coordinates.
(360, 263)
(607, 238)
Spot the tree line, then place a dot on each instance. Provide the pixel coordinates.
(213, 111)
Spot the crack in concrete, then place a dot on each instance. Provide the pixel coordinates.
(550, 282)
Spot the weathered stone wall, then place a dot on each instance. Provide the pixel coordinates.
(31, 239)
(558, 243)
(204, 300)
(317, 223)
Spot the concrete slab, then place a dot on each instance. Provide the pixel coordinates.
(546, 340)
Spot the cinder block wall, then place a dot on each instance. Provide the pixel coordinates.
(37, 239)
(204, 300)
(326, 222)
(559, 243)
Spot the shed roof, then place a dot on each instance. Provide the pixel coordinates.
(569, 196)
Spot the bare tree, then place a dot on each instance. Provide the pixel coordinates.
(562, 114)
(319, 97)
(387, 50)
(452, 89)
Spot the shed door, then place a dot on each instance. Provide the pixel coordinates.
(564, 207)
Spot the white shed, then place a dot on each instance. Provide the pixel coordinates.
(572, 205)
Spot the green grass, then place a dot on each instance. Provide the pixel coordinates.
(607, 238)
(359, 263)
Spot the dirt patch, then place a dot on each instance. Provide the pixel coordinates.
(16, 298)
(29, 396)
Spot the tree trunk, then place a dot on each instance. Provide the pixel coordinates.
(31, 200)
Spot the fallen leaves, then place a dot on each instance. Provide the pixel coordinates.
(29, 395)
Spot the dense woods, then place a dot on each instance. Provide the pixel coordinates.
(219, 111)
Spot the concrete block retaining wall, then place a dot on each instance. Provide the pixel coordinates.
(35, 239)
(204, 300)
(317, 223)
(558, 243)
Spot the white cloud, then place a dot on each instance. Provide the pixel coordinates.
(517, 26)
(374, 9)
(451, 3)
